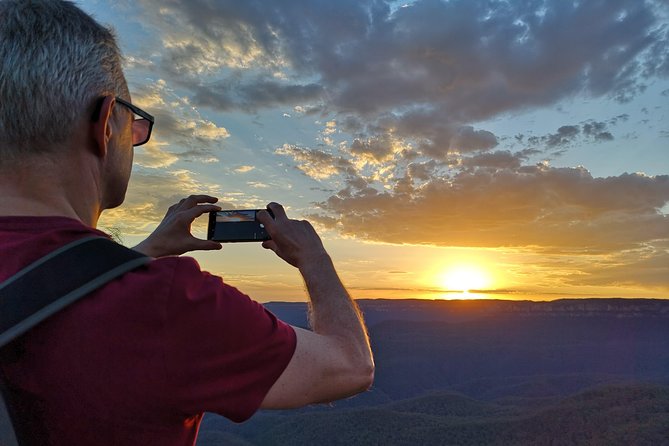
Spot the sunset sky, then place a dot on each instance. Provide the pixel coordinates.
(519, 148)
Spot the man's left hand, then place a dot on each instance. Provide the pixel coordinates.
(173, 235)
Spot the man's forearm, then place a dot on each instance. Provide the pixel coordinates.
(333, 312)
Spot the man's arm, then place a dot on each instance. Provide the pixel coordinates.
(334, 360)
(331, 362)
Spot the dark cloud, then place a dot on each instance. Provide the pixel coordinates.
(564, 135)
(225, 95)
(594, 129)
(467, 139)
(568, 135)
(431, 133)
(495, 160)
(463, 61)
(422, 74)
(422, 171)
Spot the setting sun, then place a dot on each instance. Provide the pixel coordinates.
(465, 278)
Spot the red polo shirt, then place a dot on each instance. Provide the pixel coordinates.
(138, 361)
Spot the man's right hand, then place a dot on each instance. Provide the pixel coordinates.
(295, 241)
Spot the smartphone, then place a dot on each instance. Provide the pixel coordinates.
(236, 225)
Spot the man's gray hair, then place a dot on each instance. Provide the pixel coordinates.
(55, 62)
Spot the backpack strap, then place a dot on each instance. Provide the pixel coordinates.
(8, 435)
(59, 279)
(47, 286)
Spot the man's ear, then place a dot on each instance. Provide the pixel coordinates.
(102, 127)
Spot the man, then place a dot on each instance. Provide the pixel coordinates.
(140, 360)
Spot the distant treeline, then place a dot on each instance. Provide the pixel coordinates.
(609, 415)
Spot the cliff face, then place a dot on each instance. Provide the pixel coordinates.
(380, 310)
(585, 307)
(463, 310)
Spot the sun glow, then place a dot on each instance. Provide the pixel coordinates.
(465, 278)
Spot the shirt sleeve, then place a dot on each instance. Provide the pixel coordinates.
(223, 351)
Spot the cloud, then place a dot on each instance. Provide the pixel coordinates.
(316, 163)
(468, 60)
(564, 135)
(422, 171)
(646, 266)
(467, 139)
(430, 132)
(496, 160)
(404, 85)
(150, 194)
(244, 169)
(635, 271)
(408, 91)
(568, 135)
(378, 148)
(179, 124)
(597, 131)
(151, 155)
(539, 206)
(229, 95)
(330, 128)
(258, 185)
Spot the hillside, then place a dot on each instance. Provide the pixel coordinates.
(609, 415)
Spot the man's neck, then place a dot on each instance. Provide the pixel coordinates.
(29, 190)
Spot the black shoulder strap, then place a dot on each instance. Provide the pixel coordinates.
(50, 284)
(58, 280)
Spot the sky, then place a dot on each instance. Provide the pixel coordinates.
(514, 149)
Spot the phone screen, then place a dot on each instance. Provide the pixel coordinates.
(236, 226)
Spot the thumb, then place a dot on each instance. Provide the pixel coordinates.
(207, 245)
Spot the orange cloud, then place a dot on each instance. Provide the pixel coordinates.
(554, 209)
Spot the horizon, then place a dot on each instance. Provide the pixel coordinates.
(439, 148)
(486, 300)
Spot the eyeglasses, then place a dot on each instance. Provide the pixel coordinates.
(142, 126)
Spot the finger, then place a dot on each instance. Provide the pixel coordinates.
(266, 219)
(278, 211)
(269, 244)
(194, 200)
(175, 206)
(196, 211)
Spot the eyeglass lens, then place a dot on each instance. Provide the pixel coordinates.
(140, 131)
